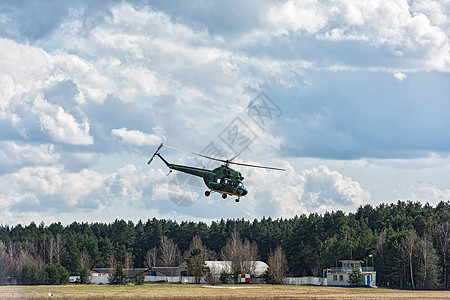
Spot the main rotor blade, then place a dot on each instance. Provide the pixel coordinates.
(225, 161)
(256, 166)
(198, 154)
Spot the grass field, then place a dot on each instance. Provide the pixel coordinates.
(178, 291)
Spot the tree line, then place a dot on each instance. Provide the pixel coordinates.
(406, 242)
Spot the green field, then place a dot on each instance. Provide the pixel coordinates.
(192, 291)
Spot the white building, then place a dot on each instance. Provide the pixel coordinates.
(339, 276)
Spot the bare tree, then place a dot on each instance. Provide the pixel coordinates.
(15, 255)
(442, 237)
(428, 256)
(378, 254)
(407, 250)
(112, 262)
(49, 249)
(27, 253)
(231, 251)
(128, 260)
(169, 252)
(58, 248)
(2, 249)
(151, 257)
(8, 258)
(197, 243)
(24, 257)
(249, 256)
(52, 249)
(242, 255)
(277, 265)
(84, 261)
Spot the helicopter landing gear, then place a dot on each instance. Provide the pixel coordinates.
(224, 196)
(237, 200)
(207, 193)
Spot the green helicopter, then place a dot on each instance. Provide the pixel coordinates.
(223, 179)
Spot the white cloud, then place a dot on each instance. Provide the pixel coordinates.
(419, 30)
(148, 54)
(289, 193)
(136, 137)
(428, 192)
(52, 184)
(23, 83)
(54, 190)
(63, 127)
(14, 156)
(309, 16)
(326, 188)
(430, 162)
(400, 76)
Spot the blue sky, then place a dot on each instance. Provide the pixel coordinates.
(350, 97)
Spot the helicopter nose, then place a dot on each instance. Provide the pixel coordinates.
(242, 192)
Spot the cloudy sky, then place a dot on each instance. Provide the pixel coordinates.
(350, 97)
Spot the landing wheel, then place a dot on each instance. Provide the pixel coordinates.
(224, 196)
(237, 200)
(207, 193)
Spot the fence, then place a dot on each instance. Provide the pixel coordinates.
(305, 280)
(191, 279)
(173, 279)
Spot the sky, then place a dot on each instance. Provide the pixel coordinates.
(350, 97)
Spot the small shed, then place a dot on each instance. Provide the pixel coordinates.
(244, 278)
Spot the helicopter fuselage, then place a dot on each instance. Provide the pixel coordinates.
(222, 179)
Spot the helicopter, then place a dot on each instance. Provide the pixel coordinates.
(223, 179)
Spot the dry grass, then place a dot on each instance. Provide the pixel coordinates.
(178, 291)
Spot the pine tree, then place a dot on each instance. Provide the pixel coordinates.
(119, 276)
(84, 276)
(355, 277)
(140, 277)
(196, 264)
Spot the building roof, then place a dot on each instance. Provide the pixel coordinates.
(131, 272)
(351, 260)
(103, 270)
(165, 271)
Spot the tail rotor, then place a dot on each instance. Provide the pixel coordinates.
(160, 146)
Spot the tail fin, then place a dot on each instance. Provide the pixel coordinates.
(165, 161)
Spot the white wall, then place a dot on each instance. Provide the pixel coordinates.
(305, 280)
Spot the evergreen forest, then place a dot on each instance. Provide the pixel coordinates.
(408, 244)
